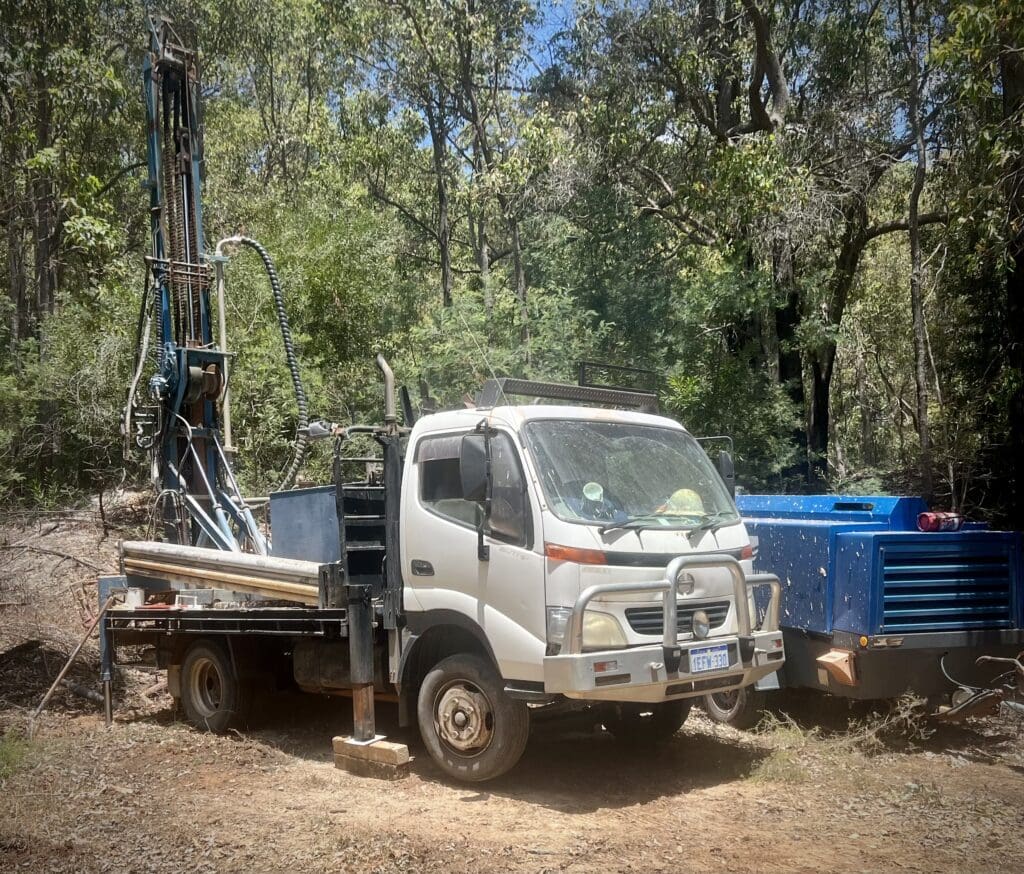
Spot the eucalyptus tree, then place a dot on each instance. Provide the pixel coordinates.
(764, 130)
(983, 57)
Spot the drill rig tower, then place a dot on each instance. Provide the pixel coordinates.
(199, 500)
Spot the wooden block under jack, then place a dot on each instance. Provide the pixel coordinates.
(381, 758)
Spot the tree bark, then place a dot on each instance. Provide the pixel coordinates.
(766, 66)
(821, 360)
(789, 366)
(481, 239)
(17, 284)
(439, 149)
(1011, 73)
(45, 210)
(520, 279)
(867, 441)
(916, 268)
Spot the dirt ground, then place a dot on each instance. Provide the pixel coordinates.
(813, 793)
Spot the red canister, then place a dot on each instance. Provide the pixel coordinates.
(940, 521)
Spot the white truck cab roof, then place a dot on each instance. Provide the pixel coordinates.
(515, 416)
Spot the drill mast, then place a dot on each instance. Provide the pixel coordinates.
(199, 498)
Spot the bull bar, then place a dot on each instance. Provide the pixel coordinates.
(645, 665)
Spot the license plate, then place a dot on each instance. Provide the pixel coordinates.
(709, 658)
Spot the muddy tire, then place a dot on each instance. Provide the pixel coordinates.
(212, 696)
(470, 727)
(646, 724)
(740, 708)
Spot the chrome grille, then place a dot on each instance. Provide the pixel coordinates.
(650, 620)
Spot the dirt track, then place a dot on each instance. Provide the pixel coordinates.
(153, 795)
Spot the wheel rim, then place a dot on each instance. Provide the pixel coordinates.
(463, 718)
(726, 701)
(206, 686)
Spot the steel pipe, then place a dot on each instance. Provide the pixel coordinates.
(574, 628)
(287, 578)
(390, 410)
(713, 562)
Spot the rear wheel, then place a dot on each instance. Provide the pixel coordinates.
(740, 708)
(470, 727)
(212, 696)
(648, 723)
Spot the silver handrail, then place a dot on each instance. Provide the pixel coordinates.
(669, 585)
(771, 618)
(711, 562)
(574, 629)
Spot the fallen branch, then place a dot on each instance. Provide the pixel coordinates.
(82, 691)
(35, 535)
(67, 666)
(155, 689)
(55, 552)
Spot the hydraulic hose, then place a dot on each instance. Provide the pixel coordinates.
(141, 349)
(301, 438)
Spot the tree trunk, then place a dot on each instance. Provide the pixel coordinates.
(439, 146)
(821, 361)
(916, 268)
(790, 366)
(17, 283)
(44, 209)
(483, 252)
(867, 442)
(1011, 71)
(520, 280)
(821, 365)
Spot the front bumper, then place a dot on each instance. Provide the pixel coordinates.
(652, 673)
(660, 672)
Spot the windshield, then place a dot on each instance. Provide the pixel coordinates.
(615, 474)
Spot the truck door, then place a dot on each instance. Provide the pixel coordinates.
(503, 595)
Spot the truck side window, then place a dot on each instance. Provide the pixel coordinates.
(510, 507)
(440, 485)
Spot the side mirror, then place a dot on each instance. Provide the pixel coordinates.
(475, 473)
(474, 467)
(727, 470)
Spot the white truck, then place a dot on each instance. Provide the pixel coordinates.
(503, 561)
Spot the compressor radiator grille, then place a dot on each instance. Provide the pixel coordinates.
(928, 589)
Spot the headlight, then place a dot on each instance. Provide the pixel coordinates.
(602, 631)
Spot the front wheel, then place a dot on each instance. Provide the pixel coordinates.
(740, 708)
(646, 724)
(470, 727)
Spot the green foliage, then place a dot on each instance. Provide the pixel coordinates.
(607, 192)
(455, 349)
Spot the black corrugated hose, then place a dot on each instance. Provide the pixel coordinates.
(301, 437)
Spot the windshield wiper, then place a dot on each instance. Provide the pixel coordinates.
(632, 522)
(712, 524)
